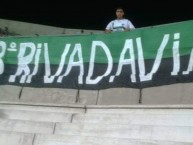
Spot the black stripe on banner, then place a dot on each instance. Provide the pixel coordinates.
(161, 77)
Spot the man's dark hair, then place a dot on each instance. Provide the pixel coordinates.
(117, 8)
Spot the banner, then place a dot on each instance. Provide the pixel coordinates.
(145, 57)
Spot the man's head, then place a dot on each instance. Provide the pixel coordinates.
(119, 13)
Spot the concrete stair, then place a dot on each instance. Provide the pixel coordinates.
(35, 115)
(16, 138)
(26, 126)
(136, 119)
(48, 124)
(82, 140)
(147, 132)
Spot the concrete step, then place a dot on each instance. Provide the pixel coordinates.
(30, 107)
(82, 140)
(146, 132)
(13, 138)
(133, 119)
(26, 126)
(35, 115)
(20, 102)
(141, 109)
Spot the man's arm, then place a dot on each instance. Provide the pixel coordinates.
(108, 28)
(130, 26)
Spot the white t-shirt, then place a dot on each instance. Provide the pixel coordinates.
(120, 25)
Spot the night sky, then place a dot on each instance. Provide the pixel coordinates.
(96, 15)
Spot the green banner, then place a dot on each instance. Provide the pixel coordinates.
(140, 58)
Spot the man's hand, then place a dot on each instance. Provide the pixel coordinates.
(107, 31)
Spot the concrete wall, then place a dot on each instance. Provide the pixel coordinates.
(162, 95)
(23, 28)
(168, 94)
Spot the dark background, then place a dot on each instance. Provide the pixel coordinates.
(96, 14)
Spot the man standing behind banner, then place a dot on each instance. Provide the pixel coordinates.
(119, 24)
